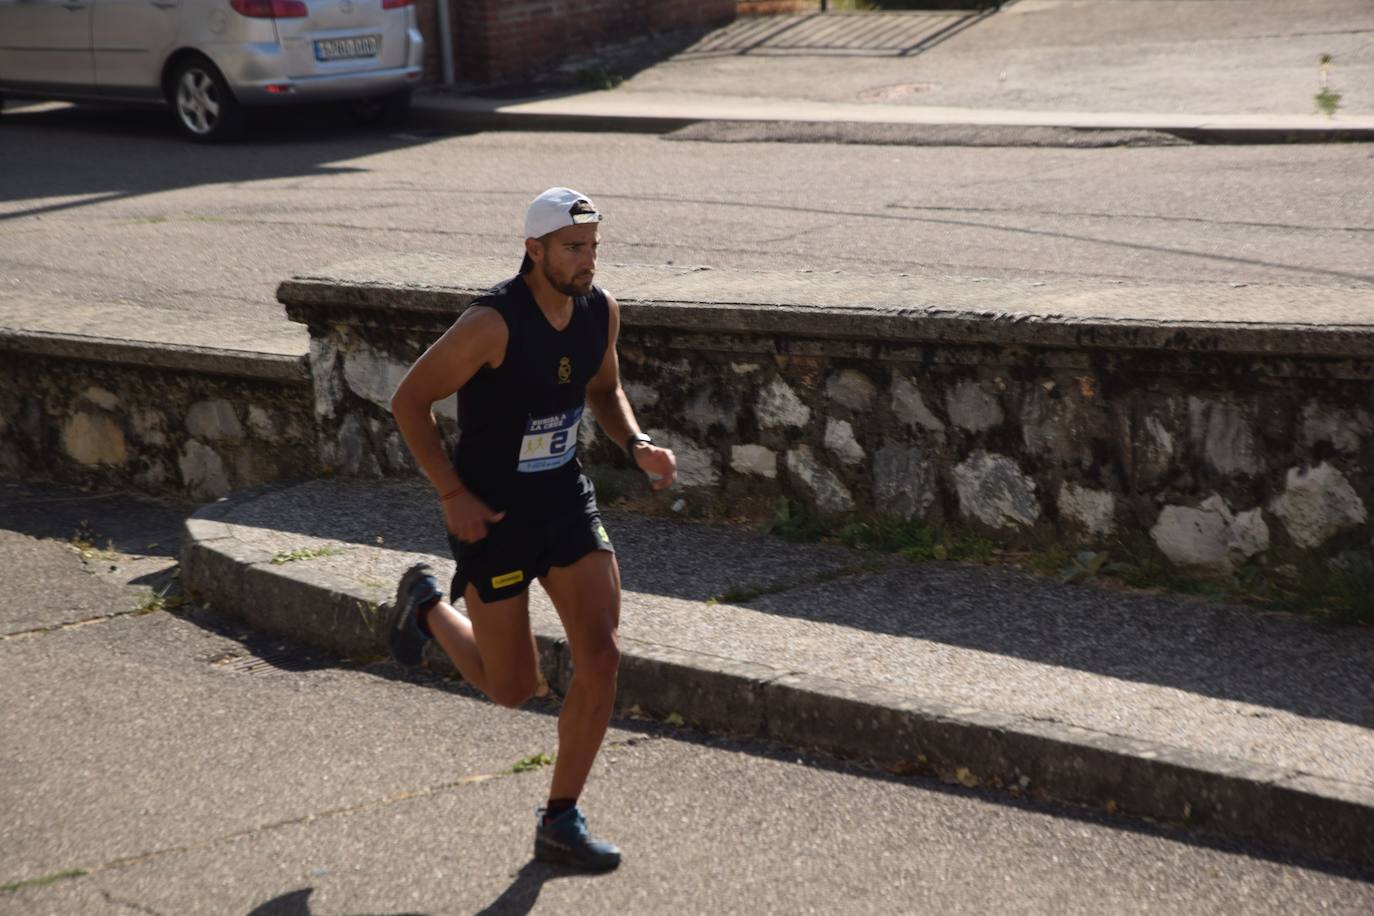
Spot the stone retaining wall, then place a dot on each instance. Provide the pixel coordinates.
(1223, 442)
(166, 420)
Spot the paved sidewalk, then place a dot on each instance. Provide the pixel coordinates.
(1220, 71)
(1243, 723)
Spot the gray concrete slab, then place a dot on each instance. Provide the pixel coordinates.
(145, 754)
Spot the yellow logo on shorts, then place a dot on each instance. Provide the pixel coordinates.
(602, 535)
(564, 371)
(510, 578)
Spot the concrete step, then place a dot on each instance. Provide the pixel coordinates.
(1212, 716)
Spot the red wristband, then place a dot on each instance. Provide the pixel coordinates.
(452, 493)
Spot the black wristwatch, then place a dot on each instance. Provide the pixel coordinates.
(637, 439)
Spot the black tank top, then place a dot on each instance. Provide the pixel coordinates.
(518, 423)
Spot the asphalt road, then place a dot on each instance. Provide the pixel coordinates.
(110, 206)
(149, 753)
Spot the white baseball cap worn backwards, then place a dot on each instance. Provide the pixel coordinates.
(557, 208)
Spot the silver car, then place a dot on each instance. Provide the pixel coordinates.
(209, 59)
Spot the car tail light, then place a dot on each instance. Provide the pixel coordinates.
(270, 9)
(396, 4)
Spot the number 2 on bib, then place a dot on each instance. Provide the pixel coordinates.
(549, 442)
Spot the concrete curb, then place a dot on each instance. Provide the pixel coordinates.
(272, 367)
(1278, 807)
(583, 113)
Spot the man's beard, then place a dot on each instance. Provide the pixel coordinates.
(572, 287)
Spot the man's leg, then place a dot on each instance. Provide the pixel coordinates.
(587, 597)
(492, 647)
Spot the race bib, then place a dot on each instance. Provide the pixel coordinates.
(549, 442)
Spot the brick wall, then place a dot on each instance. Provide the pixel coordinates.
(503, 40)
(427, 15)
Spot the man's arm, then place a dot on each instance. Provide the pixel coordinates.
(612, 410)
(478, 338)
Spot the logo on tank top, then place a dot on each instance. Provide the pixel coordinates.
(549, 442)
(564, 371)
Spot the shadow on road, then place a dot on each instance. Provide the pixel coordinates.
(1284, 663)
(48, 155)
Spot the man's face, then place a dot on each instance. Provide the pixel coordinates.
(569, 261)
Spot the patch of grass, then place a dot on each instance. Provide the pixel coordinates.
(159, 601)
(1341, 587)
(912, 540)
(43, 881)
(531, 763)
(598, 78)
(1328, 101)
(83, 540)
(305, 553)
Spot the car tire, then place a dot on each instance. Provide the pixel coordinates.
(388, 110)
(205, 108)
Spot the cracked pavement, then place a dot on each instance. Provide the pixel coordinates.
(145, 772)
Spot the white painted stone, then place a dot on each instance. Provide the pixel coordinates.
(93, 438)
(371, 374)
(911, 409)
(213, 420)
(829, 491)
(324, 359)
(701, 413)
(970, 407)
(1344, 429)
(696, 466)
(1092, 510)
(100, 397)
(1160, 441)
(640, 394)
(754, 459)
(1211, 536)
(202, 471)
(903, 481)
(1193, 537)
(993, 490)
(447, 408)
(587, 432)
(398, 456)
(852, 389)
(148, 426)
(839, 438)
(1224, 436)
(1316, 504)
(778, 405)
(1248, 536)
(262, 423)
(744, 368)
(352, 447)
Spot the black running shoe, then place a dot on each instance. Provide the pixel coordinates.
(565, 841)
(404, 637)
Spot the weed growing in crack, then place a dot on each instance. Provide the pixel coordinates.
(305, 553)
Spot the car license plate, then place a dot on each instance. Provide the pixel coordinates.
(345, 48)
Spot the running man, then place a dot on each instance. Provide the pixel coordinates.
(525, 359)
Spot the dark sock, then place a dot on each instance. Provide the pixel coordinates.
(558, 806)
(422, 617)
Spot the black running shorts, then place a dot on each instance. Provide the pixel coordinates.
(522, 547)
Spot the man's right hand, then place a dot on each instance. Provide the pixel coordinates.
(467, 517)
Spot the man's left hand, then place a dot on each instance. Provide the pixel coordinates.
(658, 463)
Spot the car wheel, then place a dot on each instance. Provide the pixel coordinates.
(388, 110)
(206, 111)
